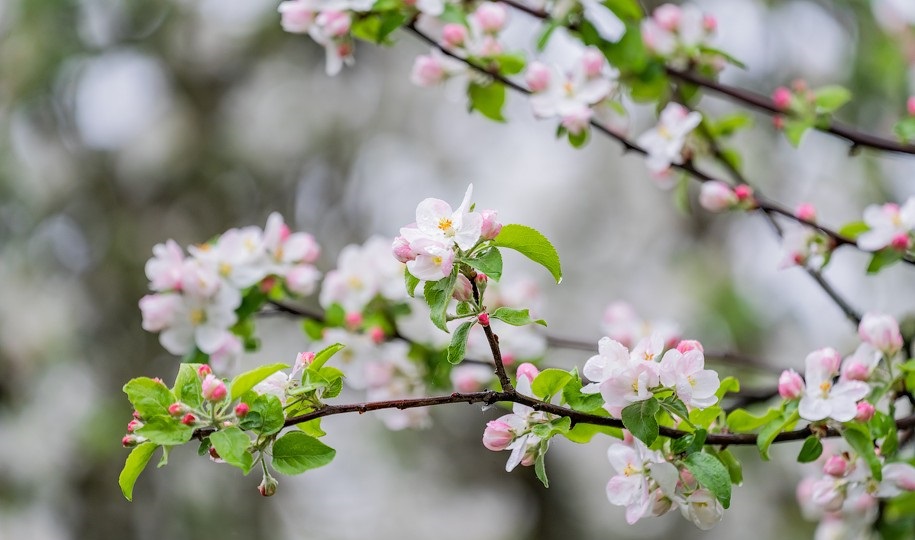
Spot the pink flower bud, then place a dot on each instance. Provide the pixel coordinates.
(427, 71)
(204, 370)
(710, 23)
(454, 35)
(402, 250)
(188, 419)
(483, 319)
(865, 412)
(790, 385)
(901, 241)
(213, 389)
(508, 359)
(490, 47)
(497, 435)
(267, 486)
(490, 17)
(717, 196)
(353, 319)
(129, 441)
(304, 359)
(297, 16)
(490, 226)
(687, 345)
(241, 410)
(910, 105)
(266, 284)
(176, 409)
(481, 279)
(592, 60)
(836, 466)
(826, 359)
(881, 332)
(744, 193)
(136, 414)
(778, 122)
(668, 16)
(538, 77)
(463, 290)
(577, 120)
(781, 98)
(377, 335)
(134, 425)
(335, 23)
(527, 370)
(806, 211)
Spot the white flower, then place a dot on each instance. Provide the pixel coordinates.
(165, 268)
(703, 509)
(285, 248)
(897, 478)
(437, 221)
(237, 256)
(435, 68)
(201, 321)
(823, 399)
(612, 356)
(607, 24)
(353, 283)
(803, 246)
(568, 95)
(639, 472)
(686, 374)
(880, 331)
(434, 260)
(664, 143)
(889, 225)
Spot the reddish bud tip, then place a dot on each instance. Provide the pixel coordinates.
(188, 419)
(136, 414)
(744, 193)
(241, 410)
(781, 98)
(483, 319)
(353, 319)
(175, 409)
(910, 106)
(129, 441)
(266, 285)
(806, 211)
(204, 370)
(778, 122)
(377, 335)
(481, 278)
(134, 425)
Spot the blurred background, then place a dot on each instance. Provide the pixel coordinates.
(127, 122)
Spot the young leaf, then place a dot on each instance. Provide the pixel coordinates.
(854, 229)
(324, 355)
(859, 438)
(905, 129)
(795, 129)
(811, 450)
(882, 259)
(830, 98)
(296, 452)
(410, 281)
(733, 466)
(488, 99)
(232, 446)
(459, 343)
(134, 465)
(768, 433)
(550, 382)
(639, 419)
(515, 317)
(741, 421)
(244, 382)
(265, 415)
(711, 474)
(533, 245)
(187, 386)
(540, 470)
(165, 430)
(579, 401)
(489, 262)
(510, 64)
(149, 397)
(728, 385)
(583, 433)
(438, 295)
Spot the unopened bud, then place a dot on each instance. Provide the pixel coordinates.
(267, 486)
(266, 284)
(806, 211)
(241, 410)
(781, 98)
(204, 370)
(717, 196)
(491, 227)
(176, 409)
(865, 412)
(188, 419)
(129, 441)
(454, 35)
(353, 319)
(497, 435)
(836, 466)
(687, 345)
(744, 193)
(528, 371)
(483, 319)
(463, 291)
(790, 385)
(136, 414)
(377, 335)
(134, 425)
(901, 241)
(538, 77)
(213, 389)
(910, 105)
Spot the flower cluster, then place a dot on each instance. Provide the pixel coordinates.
(835, 389)
(648, 485)
(196, 297)
(680, 34)
(515, 431)
(844, 495)
(623, 377)
(805, 247)
(363, 272)
(429, 245)
(664, 142)
(572, 95)
(329, 23)
(889, 226)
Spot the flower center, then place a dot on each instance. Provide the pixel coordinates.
(568, 88)
(198, 316)
(630, 470)
(225, 269)
(446, 226)
(665, 133)
(825, 387)
(436, 260)
(355, 283)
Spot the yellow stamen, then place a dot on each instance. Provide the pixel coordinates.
(225, 269)
(630, 470)
(198, 316)
(446, 225)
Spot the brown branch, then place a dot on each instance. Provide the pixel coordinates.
(857, 138)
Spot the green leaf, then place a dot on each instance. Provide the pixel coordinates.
(549, 382)
(313, 329)
(410, 281)
(625, 9)
(296, 452)
(579, 401)
(578, 140)
(489, 262)
(860, 440)
(905, 129)
(742, 421)
(533, 245)
(438, 295)
(704, 417)
(735, 470)
(540, 470)
(324, 355)
(232, 446)
(795, 129)
(544, 38)
(728, 124)
(811, 450)
(510, 63)
(335, 315)
(187, 388)
(265, 416)
(134, 465)
(465, 308)
(854, 229)
(546, 430)
(244, 382)
(771, 430)
(639, 419)
(882, 259)
(165, 430)
(163, 461)
(312, 428)
(149, 397)
(488, 99)
(515, 317)
(728, 385)
(830, 98)
(459, 343)
(674, 406)
(711, 474)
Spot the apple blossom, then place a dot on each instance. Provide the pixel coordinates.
(622, 323)
(640, 473)
(703, 509)
(498, 435)
(860, 365)
(865, 411)
(824, 399)
(881, 332)
(607, 24)
(165, 268)
(490, 17)
(213, 389)
(435, 68)
(570, 95)
(686, 374)
(890, 226)
(790, 385)
(664, 143)
(443, 227)
(717, 196)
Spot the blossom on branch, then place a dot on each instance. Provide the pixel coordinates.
(664, 142)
